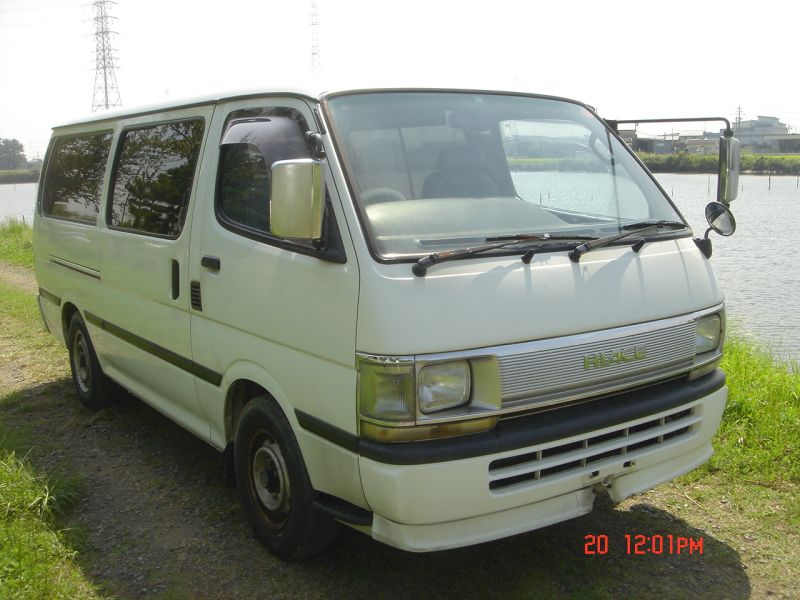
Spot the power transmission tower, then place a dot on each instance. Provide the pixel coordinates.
(315, 63)
(106, 92)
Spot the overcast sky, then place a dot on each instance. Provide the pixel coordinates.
(626, 58)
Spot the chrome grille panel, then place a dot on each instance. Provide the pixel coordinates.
(540, 376)
(623, 443)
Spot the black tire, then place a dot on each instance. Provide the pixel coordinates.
(93, 388)
(274, 486)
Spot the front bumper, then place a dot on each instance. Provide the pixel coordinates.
(541, 469)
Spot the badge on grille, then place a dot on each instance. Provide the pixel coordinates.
(600, 360)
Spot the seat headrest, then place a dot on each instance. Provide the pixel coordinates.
(461, 158)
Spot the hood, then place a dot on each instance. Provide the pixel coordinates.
(489, 300)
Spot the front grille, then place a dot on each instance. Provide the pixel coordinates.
(568, 369)
(587, 453)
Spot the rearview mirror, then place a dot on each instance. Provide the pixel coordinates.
(720, 219)
(297, 199)
(728, 181)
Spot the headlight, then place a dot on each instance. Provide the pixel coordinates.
(708, 334)
(400, 400)
(386, 391)
(443, 386)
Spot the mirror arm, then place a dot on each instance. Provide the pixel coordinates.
(315, 145)
(704, 245)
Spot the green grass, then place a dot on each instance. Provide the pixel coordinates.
(34, 561)
(16, 242)
(760, 434)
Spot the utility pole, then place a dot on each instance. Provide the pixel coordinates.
(738, 118)
(106, 92)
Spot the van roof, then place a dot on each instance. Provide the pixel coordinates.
(304, 92)
(214, 98)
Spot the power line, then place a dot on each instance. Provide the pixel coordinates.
(106, 92)
(315, 61)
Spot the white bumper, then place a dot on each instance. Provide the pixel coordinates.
(458, 503)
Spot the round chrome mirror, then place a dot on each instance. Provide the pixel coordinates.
(720, 219)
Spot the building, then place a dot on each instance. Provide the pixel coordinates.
(761, 134)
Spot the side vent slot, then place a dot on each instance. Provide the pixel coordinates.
(197, 302)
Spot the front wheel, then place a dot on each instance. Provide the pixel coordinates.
(274, 485)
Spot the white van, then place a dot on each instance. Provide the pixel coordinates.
(438, 316)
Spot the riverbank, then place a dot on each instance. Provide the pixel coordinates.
(19, 176)
(754, 164)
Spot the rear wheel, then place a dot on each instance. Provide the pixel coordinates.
(274, 485)
(94, 389)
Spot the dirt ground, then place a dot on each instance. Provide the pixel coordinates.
(155, 520)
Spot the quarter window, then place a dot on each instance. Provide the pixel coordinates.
(75, 177)
(153, 177)
(253, 141)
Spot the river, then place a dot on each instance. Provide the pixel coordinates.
(756, 266)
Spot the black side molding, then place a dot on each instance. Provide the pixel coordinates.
(530, 430)
(342, 510)
(327, 431)
(50, 296)
(164, 354)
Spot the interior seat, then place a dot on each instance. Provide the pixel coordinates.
(461, 173)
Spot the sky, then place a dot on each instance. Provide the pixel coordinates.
(628, 59)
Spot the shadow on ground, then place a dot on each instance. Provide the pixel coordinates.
(155, 519)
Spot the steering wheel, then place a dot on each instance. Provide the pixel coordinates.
(381, 194)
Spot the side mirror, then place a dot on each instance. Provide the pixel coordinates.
(297, 199)
(720, 219)
(728, 181)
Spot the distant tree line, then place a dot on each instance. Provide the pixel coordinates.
(12, 154)
(14, 165)
(697, 163)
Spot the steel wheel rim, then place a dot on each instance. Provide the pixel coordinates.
(270, 478)
(81, 362)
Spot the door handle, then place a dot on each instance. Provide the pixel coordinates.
(212, 263)
(176, 279)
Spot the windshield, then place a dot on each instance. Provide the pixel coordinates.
(434, 171)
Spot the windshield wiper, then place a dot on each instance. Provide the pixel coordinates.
(423, 264)
(630, 229)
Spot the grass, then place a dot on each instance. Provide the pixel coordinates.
(16, 242)
(760, 433)
(34, 561)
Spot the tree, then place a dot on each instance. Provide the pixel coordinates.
(12, 154)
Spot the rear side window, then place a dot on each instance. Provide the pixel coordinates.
(74, 177)
(153, 176)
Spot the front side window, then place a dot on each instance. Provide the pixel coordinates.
(75, 177)
(152, 179)
(435, 171)
(253, 140)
